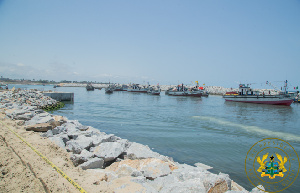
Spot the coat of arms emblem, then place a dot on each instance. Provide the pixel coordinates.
(273, 164)
(272, 168)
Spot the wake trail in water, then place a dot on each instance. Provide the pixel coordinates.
(252, 129)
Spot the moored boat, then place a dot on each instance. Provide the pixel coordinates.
(248, 95)
(119, 87)
(137, 88)
(89, 87)
(181, 90)
(109, 89)
(297, 98)
(154, 90)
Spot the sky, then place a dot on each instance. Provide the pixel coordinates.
(216, 42)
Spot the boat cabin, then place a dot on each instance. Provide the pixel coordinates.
(246, 90)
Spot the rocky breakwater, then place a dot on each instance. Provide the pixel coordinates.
(123, 166)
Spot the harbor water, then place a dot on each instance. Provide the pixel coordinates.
(188, 129)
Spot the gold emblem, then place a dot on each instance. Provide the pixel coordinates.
(272, 163)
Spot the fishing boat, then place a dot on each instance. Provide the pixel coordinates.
(248, 95)
(205, 94)
(89, 87)
(297, 98)
(154, 90)
(181, 90)
(119, 87)
(137, 88)
(109, 89)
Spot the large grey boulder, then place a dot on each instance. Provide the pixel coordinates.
(150, 168)
(75, 125)
(40, 118)
(201, 165)
(109, 150)
(84, 142)
(154, 169)
(92, 163)
(64, 137)
(139, 151)
(26, 116)
(161, 182)
(84, 156)
(217, 183)
(73, 146)
(187, 172)
(212, 182)
(98, 139)
(193, 185)
(79, 144)
(125, 170)
(47, 134)
(58, 130)
(58, 141)
(94, 131)
(145, 183)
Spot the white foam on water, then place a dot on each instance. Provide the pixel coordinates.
(252, 129)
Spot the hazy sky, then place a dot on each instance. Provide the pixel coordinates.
(217, 42)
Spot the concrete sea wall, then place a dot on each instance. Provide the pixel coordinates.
(89, 148)
(60, 96)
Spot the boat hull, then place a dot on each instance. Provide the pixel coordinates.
(154, 93)
(108, 91)
(136, 90)
(185, 93)
(271, 100)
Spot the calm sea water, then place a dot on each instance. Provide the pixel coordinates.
(207, 130)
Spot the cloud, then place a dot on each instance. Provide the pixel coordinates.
(59, 71)
(20, 71)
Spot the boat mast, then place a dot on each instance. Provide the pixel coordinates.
(285, 86)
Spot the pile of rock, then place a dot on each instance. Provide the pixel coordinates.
(218, 90)
(91, 149)
(30, 97)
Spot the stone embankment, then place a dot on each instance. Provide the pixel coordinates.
(121, 163)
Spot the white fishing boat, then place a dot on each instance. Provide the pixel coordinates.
(137, 88)
(248, 95)
(154, 90)
(181, 90)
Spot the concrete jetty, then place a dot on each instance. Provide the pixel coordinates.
(60, 96)
(117, 158)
